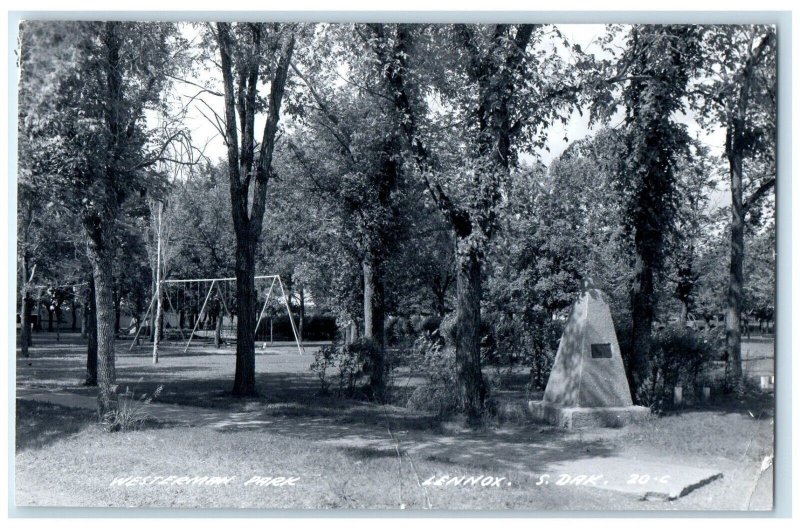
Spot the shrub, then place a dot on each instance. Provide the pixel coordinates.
(324, 358)
(351, 361)
(528, 342)
(131, 412)
(679, 357)
(437, 365)
(430, 324)
(447, 330)
(397, 330)
(441, 400)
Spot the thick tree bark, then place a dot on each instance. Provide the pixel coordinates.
(100, 233)
(117, 310)
(244, 383)
(642, 315)
(468, 334)
(374, 320)
(733, 317)
(91, 348)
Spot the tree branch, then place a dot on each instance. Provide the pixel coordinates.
(758, 194)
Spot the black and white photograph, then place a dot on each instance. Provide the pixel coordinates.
(269, 263)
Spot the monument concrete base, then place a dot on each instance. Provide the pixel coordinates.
(569, 418)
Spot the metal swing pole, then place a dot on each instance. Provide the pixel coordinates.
(264, 308)
(146, 314)
(197, 322)
(291, 318)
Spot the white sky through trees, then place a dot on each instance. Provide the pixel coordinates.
(206, 138)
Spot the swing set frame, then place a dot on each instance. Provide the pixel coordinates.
(215, 282)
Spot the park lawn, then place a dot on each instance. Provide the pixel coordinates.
(60, 450)
(50, 470)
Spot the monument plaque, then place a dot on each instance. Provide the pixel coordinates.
(601, 350)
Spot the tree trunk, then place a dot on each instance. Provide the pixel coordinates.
(91, 349)
(468, 334)
(84, 317)
(218, 331)
(374, 316)
(25, 311)
(642, 315)
(684, 313)
(58, 323)
(25, 325)
(244, 382)
(73, 309)
(117, 310)
(733, 319)
(50, 311)
(158, 323)
(302, 313)
(101, 258)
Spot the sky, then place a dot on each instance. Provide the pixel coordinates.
(206, 137)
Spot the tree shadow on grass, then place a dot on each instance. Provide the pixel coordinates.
(39, 424)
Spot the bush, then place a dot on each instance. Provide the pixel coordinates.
(441, 400)
(324, 358)
(679, 357)
(437, 365)
(425, 324)
(447, 330)
(351, 360)
(398, 330)
(518, 341)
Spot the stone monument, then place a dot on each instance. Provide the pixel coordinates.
(588, 386)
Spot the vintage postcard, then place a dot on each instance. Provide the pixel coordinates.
(397, 266)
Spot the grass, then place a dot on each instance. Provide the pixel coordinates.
(342, 449)
(329, 478)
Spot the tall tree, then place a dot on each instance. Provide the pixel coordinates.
(250, 54)
(660, 61)
(361, 171)
(737, 92)
(85, 90)
(498, 93)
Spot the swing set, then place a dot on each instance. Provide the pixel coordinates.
(189, 304)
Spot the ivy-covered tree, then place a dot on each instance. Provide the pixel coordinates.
(659, 62)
